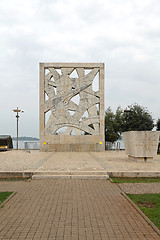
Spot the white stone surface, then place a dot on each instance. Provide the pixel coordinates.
(115, 162)
(71, 106)
(60, 90)
(141, 144)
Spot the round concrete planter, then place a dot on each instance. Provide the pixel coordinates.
(141, 145)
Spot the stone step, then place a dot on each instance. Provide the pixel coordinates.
(69, 177)
(70, 173)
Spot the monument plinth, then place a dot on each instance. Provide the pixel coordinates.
(141, 145)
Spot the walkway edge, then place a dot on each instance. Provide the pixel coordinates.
(29, 174)
(15, 174)
(133, 174)
(155, 228)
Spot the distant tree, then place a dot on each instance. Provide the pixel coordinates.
(133, 118)
(113, 124)
(137, 118)
(158, 124)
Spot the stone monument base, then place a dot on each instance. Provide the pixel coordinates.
(141, 145)
(141, 159)
(62, 143)
(72, 148)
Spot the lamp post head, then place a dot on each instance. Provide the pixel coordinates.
(18, 110)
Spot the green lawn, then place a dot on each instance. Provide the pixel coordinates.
(149, 204)
(4, 196)
(135, 180)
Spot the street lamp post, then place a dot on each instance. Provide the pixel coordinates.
(17, 116)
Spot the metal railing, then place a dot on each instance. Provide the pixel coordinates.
(31, 146)
(113, 146)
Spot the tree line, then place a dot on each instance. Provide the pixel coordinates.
(133, 118)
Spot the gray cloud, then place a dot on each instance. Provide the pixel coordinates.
(123, 34)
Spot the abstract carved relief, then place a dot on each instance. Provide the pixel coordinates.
(72, 107)
(72, 100)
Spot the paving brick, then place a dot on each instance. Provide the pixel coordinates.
(70, 209)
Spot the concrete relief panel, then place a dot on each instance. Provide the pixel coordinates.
(141, 145)
(71, 100)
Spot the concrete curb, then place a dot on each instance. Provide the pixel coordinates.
(29, 174)
(133, 174)
(55, 175)
(155, 228)
(16, 174)
(86, 177)
(71, 173)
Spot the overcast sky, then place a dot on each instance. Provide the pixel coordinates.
(124, 34)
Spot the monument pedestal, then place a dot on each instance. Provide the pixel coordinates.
(141, 145)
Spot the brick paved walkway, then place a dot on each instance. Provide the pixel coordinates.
(70, 209)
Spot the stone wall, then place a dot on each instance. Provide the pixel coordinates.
(72, 107)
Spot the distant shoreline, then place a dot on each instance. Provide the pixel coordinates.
(26, 138)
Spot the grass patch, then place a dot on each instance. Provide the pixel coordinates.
(149, 204)
(136, 180)
(4, 196)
